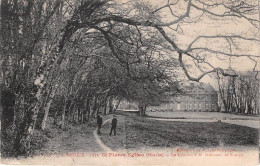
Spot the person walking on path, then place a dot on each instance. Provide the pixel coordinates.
(99, 122)
(113, 125)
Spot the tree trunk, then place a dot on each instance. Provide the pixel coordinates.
(46, 113)
(94, 108)
(78, 115)
(110, 105)
(142, 109)
(117, 105)
(86, 110)
(63, 114)
(47, 108)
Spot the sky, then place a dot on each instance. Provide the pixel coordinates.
(210, 26)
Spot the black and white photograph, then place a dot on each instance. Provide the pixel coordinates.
(130, 82)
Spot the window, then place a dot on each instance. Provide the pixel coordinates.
(213, 106)
(168, 106)
(172, 106)
(195, 106)
(207, 106)
(190, 106)
(178, 106)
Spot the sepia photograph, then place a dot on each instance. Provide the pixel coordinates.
(130, 82)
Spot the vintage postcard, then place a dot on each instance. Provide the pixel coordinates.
(130, 82)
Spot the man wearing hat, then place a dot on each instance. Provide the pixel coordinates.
(113, 125)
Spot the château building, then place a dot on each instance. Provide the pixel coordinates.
(126, 105)
(198, 97)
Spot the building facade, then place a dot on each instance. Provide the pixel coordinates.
(198, 97)
(126, 105)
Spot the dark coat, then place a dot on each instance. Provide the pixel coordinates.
(114, 122)
(99, 120)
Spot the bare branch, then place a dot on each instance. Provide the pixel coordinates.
(223, 53)
(220, 36)
(167, 5)
(233, 13)
(203, 74)
(163, 33)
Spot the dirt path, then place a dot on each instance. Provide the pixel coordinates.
(117, 142)
(201, 115)
(81, 138)
(75, 139)
(98, 140)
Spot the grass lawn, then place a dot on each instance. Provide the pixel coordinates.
(199, 115)
(141, 133)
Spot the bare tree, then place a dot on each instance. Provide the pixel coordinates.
(240, 94)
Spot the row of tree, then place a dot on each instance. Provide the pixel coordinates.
(53, 66)
(240, 94)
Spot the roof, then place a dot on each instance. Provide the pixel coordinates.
(128, 110)
(201, 88)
